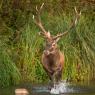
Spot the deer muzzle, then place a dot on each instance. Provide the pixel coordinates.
(46, 52)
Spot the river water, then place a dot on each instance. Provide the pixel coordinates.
(42, 89)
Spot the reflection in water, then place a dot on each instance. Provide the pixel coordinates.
(21, 91)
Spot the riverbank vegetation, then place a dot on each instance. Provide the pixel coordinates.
(21, 47)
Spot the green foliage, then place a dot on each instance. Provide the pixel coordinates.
(9, 74)
(80, 51)
(30, 55)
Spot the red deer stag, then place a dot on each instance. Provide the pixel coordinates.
(52, 57)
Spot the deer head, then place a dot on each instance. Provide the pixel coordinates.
(51, 41)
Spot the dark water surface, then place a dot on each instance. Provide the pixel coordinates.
(42, 89)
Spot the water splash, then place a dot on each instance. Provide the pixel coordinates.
(62, 87)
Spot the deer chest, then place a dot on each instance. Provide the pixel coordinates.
(52, 61)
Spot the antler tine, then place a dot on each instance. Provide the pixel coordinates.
(38, 20)
(59, 35)
(77, 16)
(36, 8)
(77, 11)
(41, 6)
(39, 11)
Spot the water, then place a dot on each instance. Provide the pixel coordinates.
(61, 89)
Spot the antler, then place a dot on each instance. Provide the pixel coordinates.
(39, 23)
(73, 24)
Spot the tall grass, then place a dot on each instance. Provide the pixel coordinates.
(30, 55)
(79, 51)
(9, 73)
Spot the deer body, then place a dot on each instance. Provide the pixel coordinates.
(52, 57)
(53, 63)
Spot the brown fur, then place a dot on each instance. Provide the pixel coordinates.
(53, 64)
